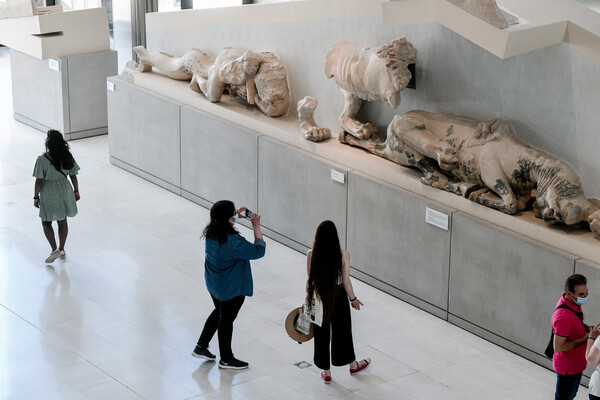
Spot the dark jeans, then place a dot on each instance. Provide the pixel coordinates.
(338, 330)
(592, 397)
(567, 386)
(221, 320)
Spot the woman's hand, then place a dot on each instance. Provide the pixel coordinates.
(255, 220)
(594, 332)
(36, 203)
(77, 197)
(356, 304)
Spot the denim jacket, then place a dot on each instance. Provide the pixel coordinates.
(227, 266)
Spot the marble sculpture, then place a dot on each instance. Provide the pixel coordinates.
(487, 163)
(259, 78)
(368, 74)
(308, 126)
(180, 68)
(488, 11)
(594, 221)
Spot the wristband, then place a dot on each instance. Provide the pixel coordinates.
(590, 338)
(36, 197)
(351, 300)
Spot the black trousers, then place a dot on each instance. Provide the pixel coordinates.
(567, 386)
(337, 331)
(221, 320)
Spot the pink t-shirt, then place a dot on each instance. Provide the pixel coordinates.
(565, 323)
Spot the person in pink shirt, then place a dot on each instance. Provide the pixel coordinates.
(570, 338)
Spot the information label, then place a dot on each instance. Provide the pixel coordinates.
(54, 64)
(338, 176)
(436, 218)
(110, 86)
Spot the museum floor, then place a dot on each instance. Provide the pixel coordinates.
(119, 317)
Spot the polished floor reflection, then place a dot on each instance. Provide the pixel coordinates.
(119, 317)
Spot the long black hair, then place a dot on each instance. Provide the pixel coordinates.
(325, 267)
(58, 150)
(219, 227)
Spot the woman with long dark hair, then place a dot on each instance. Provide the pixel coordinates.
(328, 268)
(53, 194)
(228, 278)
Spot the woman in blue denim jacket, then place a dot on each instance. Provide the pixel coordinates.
(228, 277)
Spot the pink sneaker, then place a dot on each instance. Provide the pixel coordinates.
(326, 379)
(362, 365)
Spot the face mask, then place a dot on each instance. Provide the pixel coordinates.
(235, 218)
(581, 300)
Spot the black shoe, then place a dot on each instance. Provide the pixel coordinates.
(203, 354)
(233, 363)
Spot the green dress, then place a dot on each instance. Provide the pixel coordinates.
(57, 199)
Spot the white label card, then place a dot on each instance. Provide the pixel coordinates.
(436, 218)
(110, 86)
(338, 176)
(54, 64)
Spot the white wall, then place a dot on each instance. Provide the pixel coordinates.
(216, 3)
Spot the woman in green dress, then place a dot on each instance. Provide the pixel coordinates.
(53, 194)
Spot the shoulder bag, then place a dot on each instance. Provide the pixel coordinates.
(316, 310)
(549, 352)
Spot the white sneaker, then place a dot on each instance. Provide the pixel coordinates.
(62, 254)
(53, 256)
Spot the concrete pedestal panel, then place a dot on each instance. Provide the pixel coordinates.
(296, 192)
(219, 160)
(505, 283)
(391, 242)
(87, 89)
(40, 93)
(591, 271)
(144, 132)
(67, 94)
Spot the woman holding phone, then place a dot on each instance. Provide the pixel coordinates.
(228, 277)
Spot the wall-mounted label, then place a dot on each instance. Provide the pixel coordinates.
(436, 218)
(110, 86)
(338, 176)
(54, 64)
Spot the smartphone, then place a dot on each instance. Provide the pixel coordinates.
(248, 214)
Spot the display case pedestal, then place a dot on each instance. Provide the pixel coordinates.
(67, 93)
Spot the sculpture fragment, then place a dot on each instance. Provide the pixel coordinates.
(180, 68)
(369, 74)
(487, 163)
(259, 78)
(488, 11)
(308, 126)
(594, 221)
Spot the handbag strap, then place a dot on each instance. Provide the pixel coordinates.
(578, 313)
(49, 159)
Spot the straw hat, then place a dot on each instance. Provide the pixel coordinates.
(290, 323)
